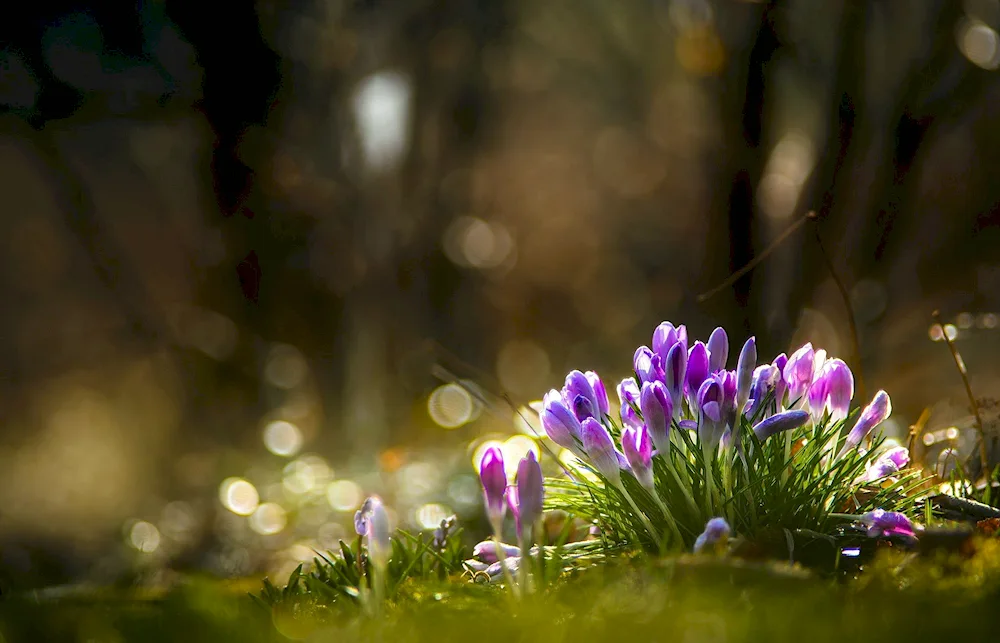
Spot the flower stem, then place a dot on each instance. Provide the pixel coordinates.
(502, 559)
(642, 517)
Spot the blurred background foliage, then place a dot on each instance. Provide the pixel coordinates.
(248, 251)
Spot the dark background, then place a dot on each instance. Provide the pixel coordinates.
(219, 215)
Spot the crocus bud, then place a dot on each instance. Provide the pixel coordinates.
(494, 478)
(697, 368)
(744, 373)
(372, 521)
(780, 422)
(496, 573)
(560, 423)
(487, 551)
(832, 390)
(798, 372)
(628, 395)
(600, 393)
(530, 490)
(710, 420)
(674, 371)
(715, 538)
(638, 448)
(718, 350)
(647, 365)
(601, 451)
(765, 379)
(873, 415)
(579, 392)
(887, 464)
(657, 409)
(664, 338)
(882, 524)
(780, 387)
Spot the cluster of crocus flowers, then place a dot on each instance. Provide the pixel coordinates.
(684, 385)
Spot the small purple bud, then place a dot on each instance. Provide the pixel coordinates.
(765, 379)
(601, 450)
(487, 551)
(674, 370)
(798, 372)
(559, 422)
(682, 334)
(628, 395)
(647, 365)
(638, 448)
(873, 415)
(779, 386)
(657, 409)
(496, 573)
(530, 489)
(600, 393)
(664, 338)
(715, 537)
(494, 478)
(780, 422)
(718, 350)
(578, 385)
(887, 464)
(882, 524)
(710, 420)
(744, 373)
(372, 521)
(697, 368)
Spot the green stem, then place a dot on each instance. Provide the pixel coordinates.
(684, 488)
(642, 517)
(502, 559)
(669, 518)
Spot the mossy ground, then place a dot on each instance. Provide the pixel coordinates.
(901, 597)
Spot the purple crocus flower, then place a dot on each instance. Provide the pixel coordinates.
(600, 393)
(779, 386)
(780, 422)
(560, 423)
(601, 450)
(657, 409)
(887, 464)
(710, 409)
(628, 395)
(715, 537)
(882, 524)
(530, 491)
(718, 350)
(647, 365)
(496, 573)
(674, 371)
(486, 551)
(697, 369)
(664, 338)
(832, 390)
(745, 368)
(765, 380)
(579, 393)
(494, 479)
(798, 372)
(638, 448)
(873, 415)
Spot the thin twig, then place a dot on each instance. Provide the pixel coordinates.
(960, 365)
(851, 323)
(731, 279)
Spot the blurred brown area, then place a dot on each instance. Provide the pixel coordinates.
(302, 214)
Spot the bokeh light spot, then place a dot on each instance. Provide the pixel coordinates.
(269, 518)
(429, 516)
(285, 368)
(239, 496)
(282, 438)
(523, 367)
(979, 43)
(144, 536)
(450, 406)
(343, 495)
